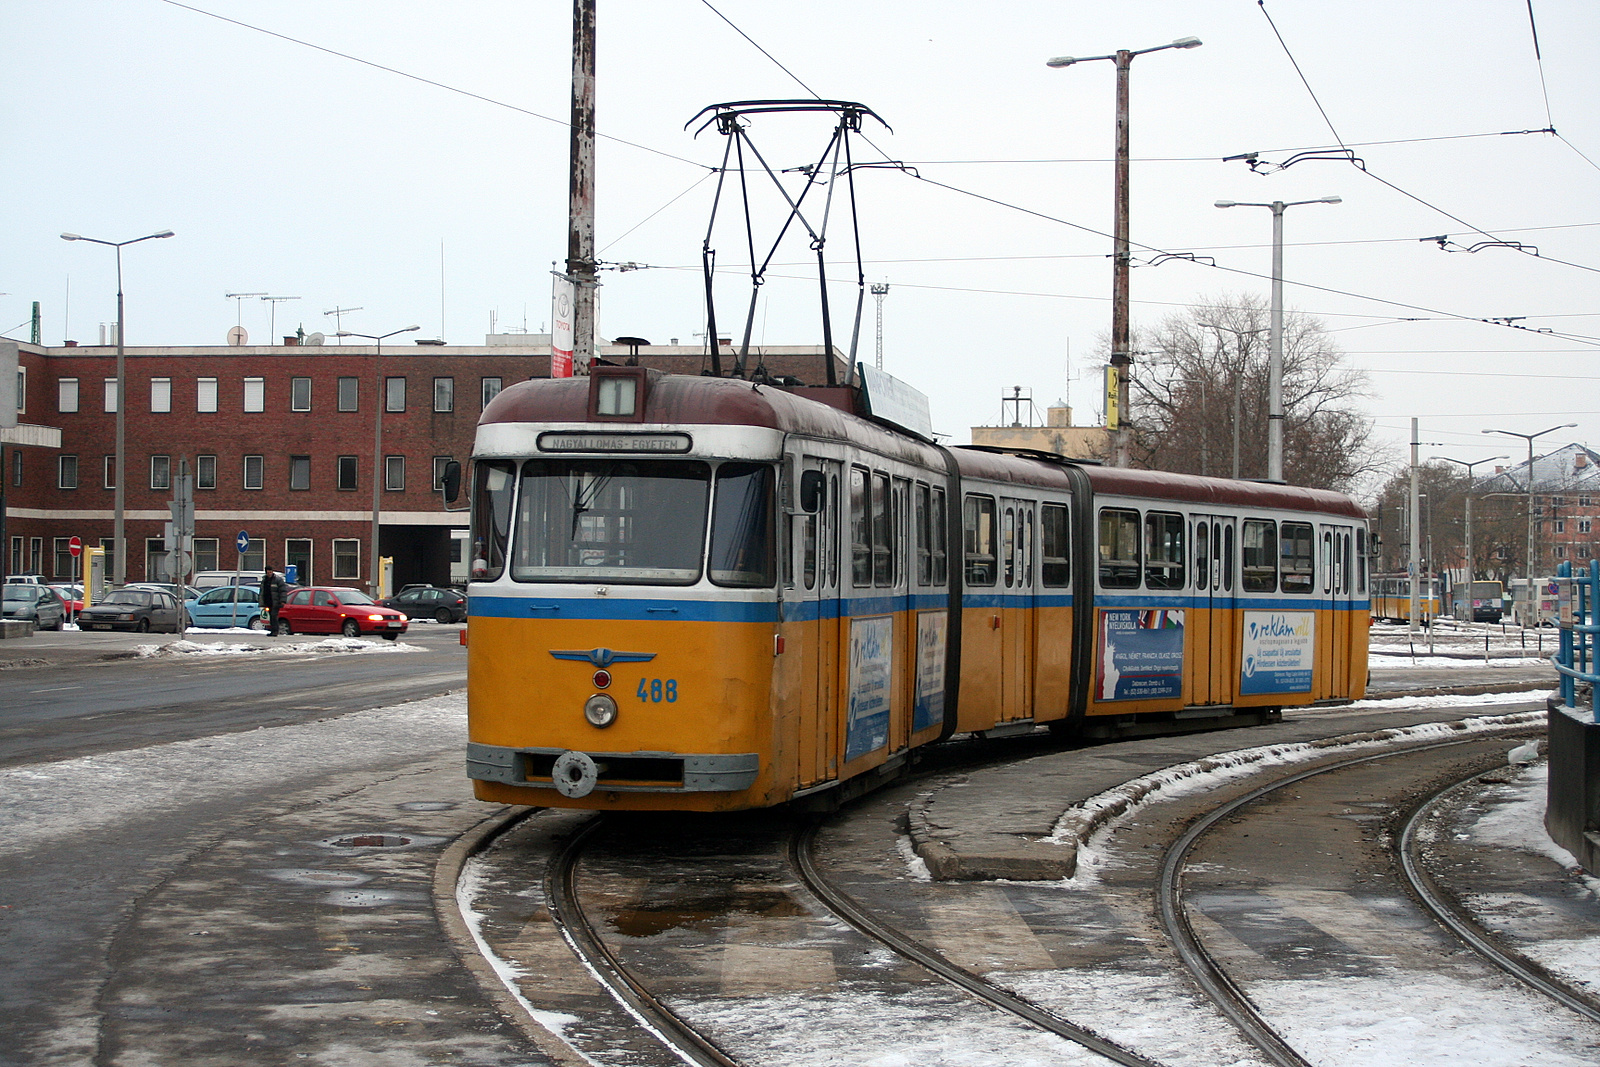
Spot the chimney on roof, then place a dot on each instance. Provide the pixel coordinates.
(1580, 461)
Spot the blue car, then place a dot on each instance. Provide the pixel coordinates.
(227, 605)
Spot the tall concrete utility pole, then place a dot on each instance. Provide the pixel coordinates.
(580, 202)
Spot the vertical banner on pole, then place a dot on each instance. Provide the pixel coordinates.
(562, 309)
(1113, 415)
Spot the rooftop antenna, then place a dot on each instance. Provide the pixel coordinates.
(272, 322)
(879, 291)
(338, 319)
(238, 305)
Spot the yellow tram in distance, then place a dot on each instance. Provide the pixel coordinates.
(1391, 598)
(700, 593)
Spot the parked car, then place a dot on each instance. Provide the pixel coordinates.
(208, 579)
(227, 605)
(71, 595)
(141, 610)
(429, 602)
(326, 610)
(185, 593)
(38, 604)
(24, 579)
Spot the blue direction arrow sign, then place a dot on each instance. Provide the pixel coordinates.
(243, 542)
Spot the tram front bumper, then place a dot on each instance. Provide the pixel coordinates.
(621, 772)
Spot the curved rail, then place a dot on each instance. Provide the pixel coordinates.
(1457, 922)
(1218, 986)
(566, 911)
(851, 910)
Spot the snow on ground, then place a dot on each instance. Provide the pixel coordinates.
(67, 798)
(1402, 660)
(275, 646)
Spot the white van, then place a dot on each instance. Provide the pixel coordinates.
(211, 579)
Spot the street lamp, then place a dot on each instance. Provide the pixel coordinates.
(119, 565)
(1120, 356)
(1275, 358)
(1467, 519)
(1528, 437)
(377, 439)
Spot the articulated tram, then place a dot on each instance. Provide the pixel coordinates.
(707, 594)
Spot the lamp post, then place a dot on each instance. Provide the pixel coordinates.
(119, 564)
(1467, 518)
(377, 439)
(1275, 358)
(1529, 437)
(1120, 356)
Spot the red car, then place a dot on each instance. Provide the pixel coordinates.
(325, 610)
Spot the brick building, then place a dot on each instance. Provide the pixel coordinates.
(280, 441)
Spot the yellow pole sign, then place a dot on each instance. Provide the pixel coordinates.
(1113, 415)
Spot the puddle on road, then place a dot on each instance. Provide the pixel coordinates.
(646, 921)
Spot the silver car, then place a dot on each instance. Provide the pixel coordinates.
(38, 604)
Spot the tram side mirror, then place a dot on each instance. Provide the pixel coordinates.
(813, 489)
(450, 481)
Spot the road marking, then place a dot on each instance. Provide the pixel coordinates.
(58, 689)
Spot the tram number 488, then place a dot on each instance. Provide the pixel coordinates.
(655, 690)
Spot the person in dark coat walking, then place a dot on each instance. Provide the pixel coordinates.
(273, 593)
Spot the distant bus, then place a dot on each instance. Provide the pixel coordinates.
(1478, 601)
(1391, 598)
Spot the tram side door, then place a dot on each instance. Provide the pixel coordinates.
(1337, 583)
(1018, 618)
(1215, 676)
(818, 581)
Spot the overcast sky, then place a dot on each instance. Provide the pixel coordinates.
(292, 171)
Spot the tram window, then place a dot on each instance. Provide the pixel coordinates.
(882, 532)
(1055, 570)
(615, 520)
(1008, 545)
(1343, 562)
(1027, 551)
(1361, 561)
(741, 526)
(1119, 548)
(860, 529)
(1298, 545)
(1260, 545)
(808, 551)
(1224, 544)
(940, 530)
(830, 533)
(491, 518)
(1327, 561)
(1163, 551)
(978, 525)
(1202, 556)
(920, 520)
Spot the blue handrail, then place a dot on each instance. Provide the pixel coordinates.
(1576, 659)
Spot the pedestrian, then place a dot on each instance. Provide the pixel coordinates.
(273, 593)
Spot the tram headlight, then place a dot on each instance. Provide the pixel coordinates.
(600, 710)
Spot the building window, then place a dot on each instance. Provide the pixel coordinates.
(22, 390)
(1583, 551)
(16, 467)
(66, 472)
(347, 472)
(394, 473)
(444, 394)
(161, 472)
(108, 476)
(299, 394)
(491, 389)
(1584, 525)
(205, 473)
(205, 394)
(255, 394)
(439, 464)
(1560, 525)
(394, 394)
(299, 472)
(1583, 502)
(66, 565)
(346, 559)
(36, 545)
(111, 395)
(254, 469)
(254, 558)
(160, 396)
(67, 395)
(347, 394)
(16, 556)
(205, 554)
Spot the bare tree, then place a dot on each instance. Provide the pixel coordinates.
(1199, 398)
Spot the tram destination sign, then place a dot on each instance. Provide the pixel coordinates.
(566, 441)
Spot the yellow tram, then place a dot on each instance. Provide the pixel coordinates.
(706, 594)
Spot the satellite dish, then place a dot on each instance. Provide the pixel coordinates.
(238, 335)
(315, 339)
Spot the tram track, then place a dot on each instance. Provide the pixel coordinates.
(1229, 993)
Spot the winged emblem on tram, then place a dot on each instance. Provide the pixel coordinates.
(603, 657)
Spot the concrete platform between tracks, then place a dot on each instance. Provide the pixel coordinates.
(996, 824)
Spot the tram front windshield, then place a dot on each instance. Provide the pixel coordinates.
(611, 520)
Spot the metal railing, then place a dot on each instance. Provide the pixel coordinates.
(1576, 596)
